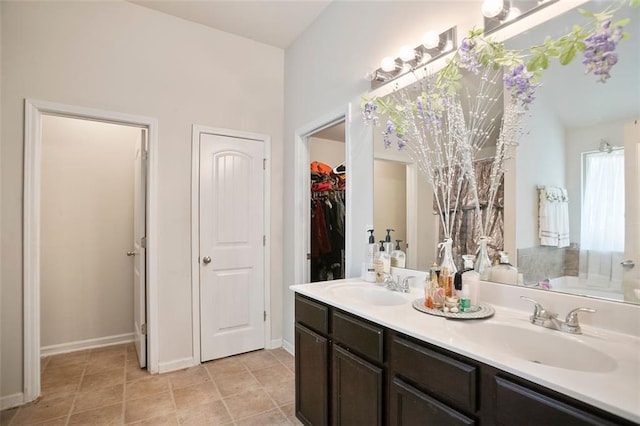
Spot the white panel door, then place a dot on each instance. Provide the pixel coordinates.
(631, 277)
(139, 251)
(231, 246)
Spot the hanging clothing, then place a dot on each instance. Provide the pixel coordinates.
(327, 223)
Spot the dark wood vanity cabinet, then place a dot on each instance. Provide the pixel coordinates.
(347, 387)
(350, 371)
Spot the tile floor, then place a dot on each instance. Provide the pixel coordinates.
(105, 386)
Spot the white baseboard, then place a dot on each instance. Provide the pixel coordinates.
(11, 401)
(275, 343)
(288, 347)
(179, 364)
(86, 344)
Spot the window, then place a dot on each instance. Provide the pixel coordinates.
(602, 224)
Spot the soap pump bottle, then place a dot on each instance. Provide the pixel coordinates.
(398, 257)
(470, 283)
(383, 262)
(388, 245)
(504, 272)
(468, 266)
(370, 258)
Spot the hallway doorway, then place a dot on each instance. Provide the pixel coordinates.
(82, 182)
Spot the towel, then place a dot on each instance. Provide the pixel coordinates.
(553, 217)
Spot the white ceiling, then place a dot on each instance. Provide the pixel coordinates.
(276, 23)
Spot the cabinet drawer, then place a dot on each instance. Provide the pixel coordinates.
(312, 314)
(409, 406)
(517, 404)
(438, 374)
(363, 338)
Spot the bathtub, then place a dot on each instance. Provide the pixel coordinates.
(591, 287)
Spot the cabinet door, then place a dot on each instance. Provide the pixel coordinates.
(356, 390)
(516, 404)
(409, 406)
(312, 384)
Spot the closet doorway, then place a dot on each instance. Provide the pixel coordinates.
(89, 261)
(328, 180)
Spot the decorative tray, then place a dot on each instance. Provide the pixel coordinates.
(482, 311)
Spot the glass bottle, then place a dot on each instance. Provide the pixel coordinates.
(447, 256)
(483, 263)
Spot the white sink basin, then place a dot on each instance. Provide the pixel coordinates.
(370, 294)
(540, 345)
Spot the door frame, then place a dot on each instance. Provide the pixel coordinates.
(33, 111)
(196, 131)
(302, 189)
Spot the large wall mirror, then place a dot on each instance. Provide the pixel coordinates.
(581, 138)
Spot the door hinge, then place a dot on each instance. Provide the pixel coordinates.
(308, 256)
(265, 316)
(145, 154)
(143, 242)
(264, 164)
(143, 329)
(264, 241)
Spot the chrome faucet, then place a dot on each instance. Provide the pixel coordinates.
(392, 285)
(547, 319)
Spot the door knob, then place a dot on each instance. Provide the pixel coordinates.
(206, 260)
(628, 264)
(131, 253)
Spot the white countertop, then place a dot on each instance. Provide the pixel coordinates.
(616, 391)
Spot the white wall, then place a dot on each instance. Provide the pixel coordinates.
(122, 57)
(324, 71)
(86, 228)
(326, 151)
(540, 160)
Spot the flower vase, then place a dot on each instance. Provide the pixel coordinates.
(447, 256)
(483, 263)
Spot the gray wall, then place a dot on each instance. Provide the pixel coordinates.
(122, 57)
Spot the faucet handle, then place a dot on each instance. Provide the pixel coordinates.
(404, 285)
(572, 316)
(539, 312)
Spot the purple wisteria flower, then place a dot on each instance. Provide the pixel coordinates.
(599, 56)
(369, 113)
(469, 56)
(428, 112)
(402, 141)
(388, 131)
(519, 82)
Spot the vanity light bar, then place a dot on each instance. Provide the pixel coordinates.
(432, 47)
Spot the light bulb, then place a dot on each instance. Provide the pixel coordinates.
(431, 40)
(425, 58)
(492, 8)
(407, 53)
(388, 64)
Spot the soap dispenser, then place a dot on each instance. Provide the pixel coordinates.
(398, 257)
(383, 262)
(470, 283)
(388, 245)
(370, 258)
(504, 272)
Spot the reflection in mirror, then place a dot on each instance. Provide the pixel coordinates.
(575, 151)
(425, 229)
(566, 125)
